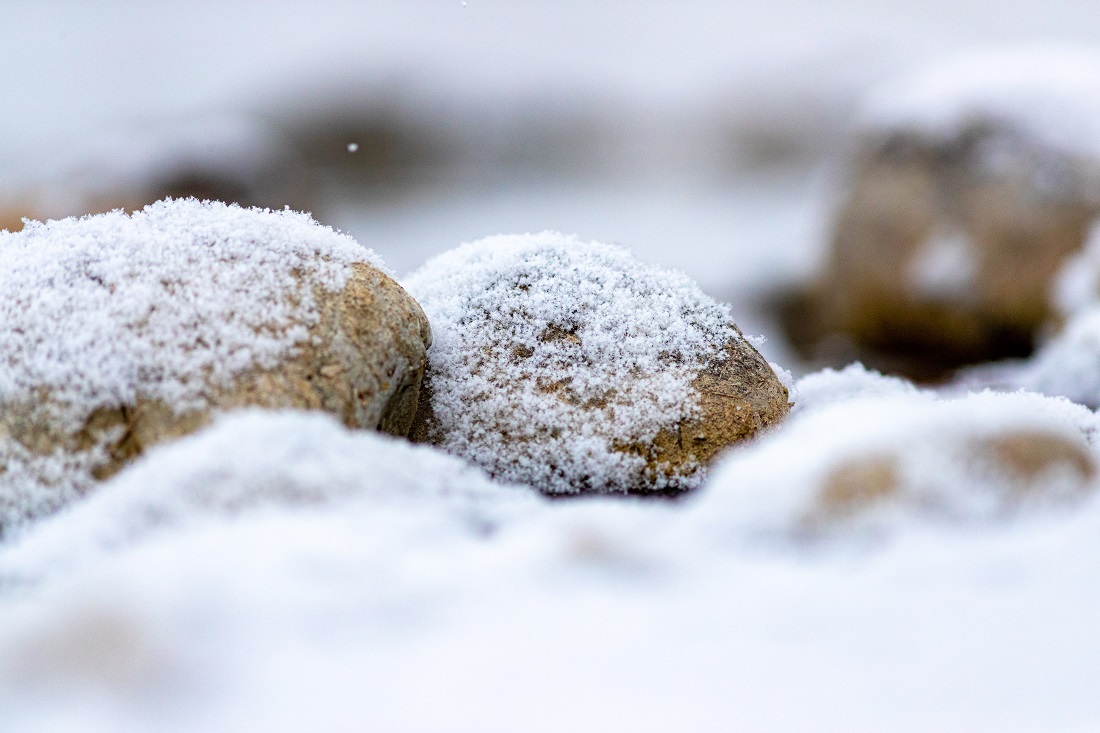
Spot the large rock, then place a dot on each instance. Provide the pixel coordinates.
(572, 367)
(122, 332)
(970, 185)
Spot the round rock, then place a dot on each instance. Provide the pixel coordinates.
(572, 367)
(971, 182)
(124, 331)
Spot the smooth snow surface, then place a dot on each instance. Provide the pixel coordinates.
(102, 310)
(279, 573)
(1047, 93)
(550, 354)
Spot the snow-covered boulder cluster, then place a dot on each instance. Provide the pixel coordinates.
(122, 331)
(571, 366)
(972, 181)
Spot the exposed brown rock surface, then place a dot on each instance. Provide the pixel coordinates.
(944, 250)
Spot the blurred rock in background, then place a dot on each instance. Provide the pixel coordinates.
(970, 184)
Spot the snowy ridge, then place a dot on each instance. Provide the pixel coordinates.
(550, 354)
(101, 309)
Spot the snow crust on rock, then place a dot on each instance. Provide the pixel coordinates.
(252, 462)
(100, 310)
(932, 457)
(550, 354)
(164, 304)
(1048, 94)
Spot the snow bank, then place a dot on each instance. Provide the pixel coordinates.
(870, 463)
(551, 354)
(299, 591)
(1049, 94)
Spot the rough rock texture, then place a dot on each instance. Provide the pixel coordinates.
(571, 367)
(962, 206)
(331, 333)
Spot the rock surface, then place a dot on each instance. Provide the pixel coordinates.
(128, 331)
(571, 367)
(970, 186)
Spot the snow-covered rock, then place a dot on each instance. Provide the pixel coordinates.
(571, 366)
(972, 181)
(869, 462)
(121, 331)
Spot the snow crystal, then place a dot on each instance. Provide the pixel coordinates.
(246, 462)
(551, 354)
(1048, 93)
(915, 453)
(102, 310)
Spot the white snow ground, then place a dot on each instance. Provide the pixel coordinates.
(277, 573)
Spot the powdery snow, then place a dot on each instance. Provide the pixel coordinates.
(831, 386)
(101, 310)
(1068, 363)
(550, 353)
(1077, 286)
